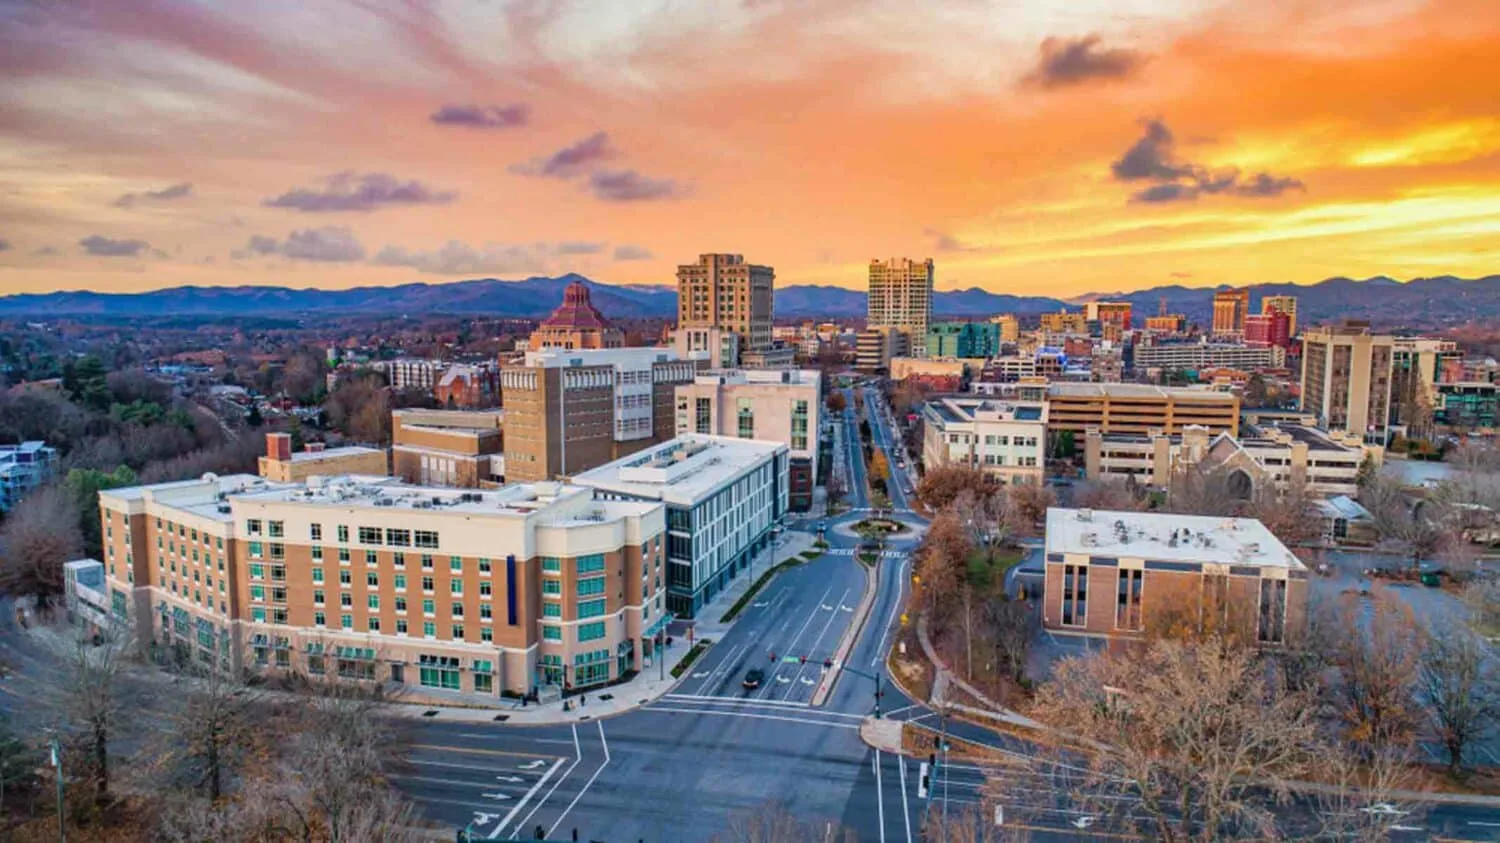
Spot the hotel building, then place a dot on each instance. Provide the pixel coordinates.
(1230, 309)
(900, 297)
(367, 578)
(1127, 573)
(724, 498)
(1347, 375)
(722, 291)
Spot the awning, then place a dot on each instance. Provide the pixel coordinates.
(659, 625)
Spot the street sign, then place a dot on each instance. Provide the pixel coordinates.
(791, 659)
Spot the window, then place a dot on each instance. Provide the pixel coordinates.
(551, 610)
(486, 634)
(345, 578)
(457, 610)
(429, 607)
(589, 588)
(1075, 595)
(427, 585)
(400, 604)
(276, 530)
(427, 561)
(425, 538)
(745, 418)
(252, 526)
(703, 416)
(371, 558)
(1272, 626)
(278, 573)
(401, 626)
(438, 672)
(317, 574)
(319, 619)
(278, 550)
(343, 532)
(317, 553)
(257, 571)
(258, 614)
(485, 589)
(374, 624)
(373, 602)
(552, 633)
(343, 556)
(486, 611)
(456, 564)
(484, 566)
(258, 593)
(591, 631)
(398, 559)
(458, 632)
(370, 535)
(1128, 602)
(799, 426)
(429, 630)
(346, 621)
(456, 586)
(484, 680)
(257, 550)
(315, 532)
(372, 579)
(278, 595)
(346, 600)
(278, 616)
(551, 565)
(400, 582)
(591, 564)
(398, 538)
(551, 588)
(591, 608)
(318, 597)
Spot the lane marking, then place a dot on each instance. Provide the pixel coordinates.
(779, 706)
(905, 810)
(527, 798)
(577, 757)
(819, 640)
(470, 750)
(798, 637)
(828, 724)
(586, 784)
(880, 650)
(879, 796)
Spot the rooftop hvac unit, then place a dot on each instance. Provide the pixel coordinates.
(1085, 515)
(223, 509)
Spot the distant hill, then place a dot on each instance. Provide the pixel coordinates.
(1421, 302)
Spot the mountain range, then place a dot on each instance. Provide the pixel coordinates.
(1420, 302)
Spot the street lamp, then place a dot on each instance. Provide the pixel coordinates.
(62, 827)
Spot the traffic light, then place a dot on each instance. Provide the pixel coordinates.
(802, 660)
(773, 657)
(828, 663)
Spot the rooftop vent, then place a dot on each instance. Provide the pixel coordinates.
(1085, 515)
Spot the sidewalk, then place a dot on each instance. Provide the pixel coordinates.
(707, 625)
(995, 711)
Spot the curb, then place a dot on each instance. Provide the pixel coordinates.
(825, 686)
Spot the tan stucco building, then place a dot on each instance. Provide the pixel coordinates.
(722, 291)
(1347, 379)
(779, 405)
(281, 465)
(463, 448)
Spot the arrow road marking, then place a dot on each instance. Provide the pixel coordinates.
(806, 681)
(511, 779)
(783, 680)
(700, 674)
(532, 765)
(827, 608)
(843, 608)
(499, 796)
(481, 818)
(761, 605)
(1084, 822)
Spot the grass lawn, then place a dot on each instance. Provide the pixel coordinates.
(987, 572)
(755, 588)
(692, 656)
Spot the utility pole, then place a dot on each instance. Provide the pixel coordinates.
(62, 826)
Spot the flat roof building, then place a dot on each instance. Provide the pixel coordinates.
(900, 297)
(724, 497)
(1139, 408)
(1129, 573)
(773, 405)
(1006, 440)
(281, 465)
(1347, 376)
(462, 448)
(23, 468)
(723, 291)
(368, 578)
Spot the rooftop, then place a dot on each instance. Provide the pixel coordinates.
(683, 470)
(638, 358)
(1166, 537)
(359, 491)
(576, 312)
(796, 377)
(966, 410)
(334, 453)
(1138, 390)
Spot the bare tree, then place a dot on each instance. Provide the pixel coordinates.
(1286, 512)
(1013, 623)
(1459, 687)
(1376, 654)
(1028, 504)
(941, 484)
(89, 694)
(1350, 786)
(1199, 740)
(1414, 531)
(984, 516)
(1482, 599)
(19, 762)
(215, 726)
(41, 534)
(1201, 490)
(773, 823)
(1108, 496)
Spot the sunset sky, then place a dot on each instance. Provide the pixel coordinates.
(1028, 147)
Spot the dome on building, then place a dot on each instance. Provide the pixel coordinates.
(576, 312)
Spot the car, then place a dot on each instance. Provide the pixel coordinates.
(753, 678)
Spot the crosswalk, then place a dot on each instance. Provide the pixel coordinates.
(850, 551)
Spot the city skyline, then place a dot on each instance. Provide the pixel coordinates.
(1046, 152)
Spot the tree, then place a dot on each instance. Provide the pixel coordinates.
(19, 762)
(836, 402)
(1413, 530)
(879, 468)
(1459, 687)
(1201, 490)
(1064, 445)
(1202, 740)
(84, 381)
(1029, 503)
(941, 484)
(773, 823)
(1014, 626)
(942, 564)
(89, 694)
(84, 485)
(984, 516)
(215, 725)
(1109, 496)
(1287, 512)
(1376, 652)
(40, 535)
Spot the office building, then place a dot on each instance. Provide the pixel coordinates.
(569, 411)
(722, 291)
(1230, 309)
(1128, 573)
(1282, 304)
(370, 579)
(460, 448)
(718, 348)
(1005, 440)
(1199, 355)
(963, 339)
(1418, 365)
(24, 468)
(900, 296)
(576, 323)
(1168, 323)
(724, 497)
(1116, 313)
(1265, 330)
(1468, 405)
(874, 348)
(939, 375)
(1010, 327)
(768, 405)
(280, 465)
(1346, 379)
(1063, 322)
(1263, 457)
(1139, 408)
